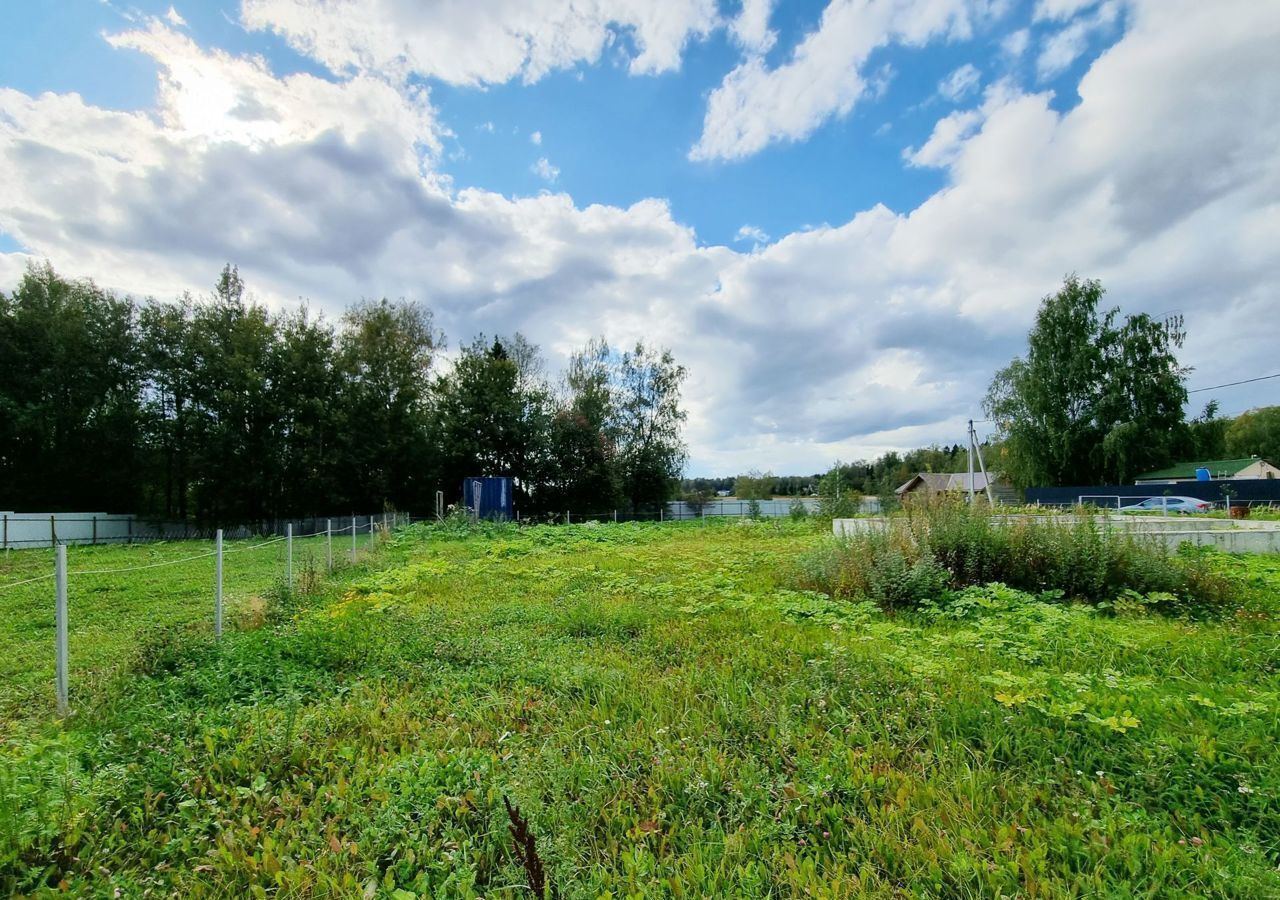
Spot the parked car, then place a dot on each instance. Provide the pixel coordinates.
(1172, 504)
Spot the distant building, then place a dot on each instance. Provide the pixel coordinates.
(723, 493)
(927, 484)
(1249, 467)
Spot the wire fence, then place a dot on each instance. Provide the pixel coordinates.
(73, 606)
(73, 614)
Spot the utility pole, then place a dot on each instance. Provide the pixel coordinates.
(975, 447)
(969, 455)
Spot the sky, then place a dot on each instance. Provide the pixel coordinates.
(840, 217)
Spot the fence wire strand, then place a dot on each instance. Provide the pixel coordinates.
(14, 584)
(168, 562)
(352, 528)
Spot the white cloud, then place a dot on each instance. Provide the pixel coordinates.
(460, 44)
(951, 132)
(1060, 10)
(1065, 46)
(1016, 42)
(946, 141)
(960, 83)
(544, 170)
(175, 19)
(752, 233)
(842, 340)
(751, 26)
(878, 83)
(217, 96)
(536, 138)
(755, 106)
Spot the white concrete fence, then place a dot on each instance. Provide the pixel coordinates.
(1229, 535)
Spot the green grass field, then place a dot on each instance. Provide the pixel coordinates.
(109, 613)
(671, 716)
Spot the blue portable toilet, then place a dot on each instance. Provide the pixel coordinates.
(489, 497)
(1202, 474)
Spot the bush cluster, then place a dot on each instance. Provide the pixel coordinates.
(929, 549)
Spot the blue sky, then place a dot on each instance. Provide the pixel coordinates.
(840, 215)
(614, 138)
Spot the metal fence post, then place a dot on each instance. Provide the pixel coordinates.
(95, 531)
(615, 516)
(60, 583)
(217, 585)
(288, 555)
(53, 531)
(328, 543)
(6, 531)
(660, 510)
(353, 540)
(566, 517)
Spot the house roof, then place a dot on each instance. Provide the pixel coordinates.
(1216, 467)
(948, 481)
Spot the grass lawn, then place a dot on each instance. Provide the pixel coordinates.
(671, 718)
(108, 613)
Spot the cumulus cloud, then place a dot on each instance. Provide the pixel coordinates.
(216, 96)
(960, 83)
(755, 106)
(751, 26)
(508, 39)
(175, 18)
(841, 340)
(1065, 46)
(536, 138)
(544, 170)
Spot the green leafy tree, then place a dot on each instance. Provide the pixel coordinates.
(385, 353)
(754, 485)
(1208, 433)
(1094, 399)
(1256, 433)
(492, 420)
(170, 412)
(584, 436)
(648, 422)
(696, 498)
(306, 378)
(233, 435)
(70, 395)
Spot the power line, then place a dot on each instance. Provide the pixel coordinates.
(1234, 383)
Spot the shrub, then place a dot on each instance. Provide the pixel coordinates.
(170, 649)
(934, 547)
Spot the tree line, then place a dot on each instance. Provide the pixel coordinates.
(216, 410)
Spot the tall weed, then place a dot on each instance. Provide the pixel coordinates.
(931, 548)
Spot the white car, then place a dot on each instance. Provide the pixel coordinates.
(1172, 504)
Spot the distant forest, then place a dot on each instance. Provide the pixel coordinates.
(214, 409)
(875, 477)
